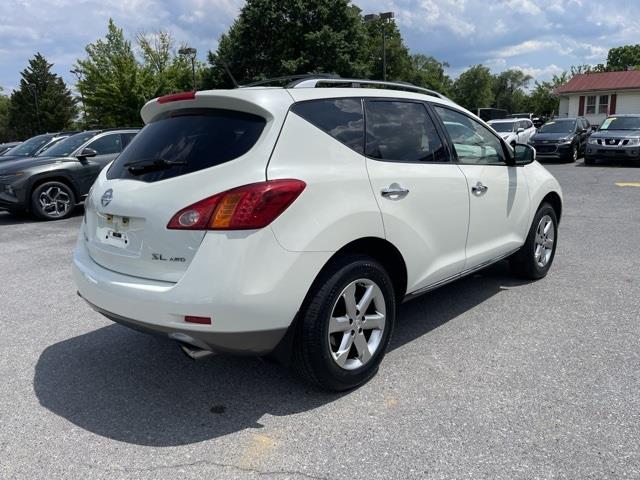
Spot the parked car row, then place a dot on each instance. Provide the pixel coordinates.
(618, 137)
(50, 174)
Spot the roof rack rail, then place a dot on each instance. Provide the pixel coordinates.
(289, 79)
(358, 83)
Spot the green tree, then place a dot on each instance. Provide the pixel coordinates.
(42, 102)
(6, 133)
(273, 38)
(428, 72)
(112, 81)
(542, 99)
(580, 69)
(474, 88)
(623, 58)
(509, 90)
(164, 71)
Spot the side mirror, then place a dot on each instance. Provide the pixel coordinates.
(86, 153)
(583, 130)
(520, 130)
(524, 154)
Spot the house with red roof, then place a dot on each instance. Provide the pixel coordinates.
(596, 95)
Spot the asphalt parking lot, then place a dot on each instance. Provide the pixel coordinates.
(488, 377)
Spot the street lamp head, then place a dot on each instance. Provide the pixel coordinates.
(188, 51)
(387, 15)
(371, 17)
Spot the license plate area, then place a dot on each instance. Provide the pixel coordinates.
(119, 233)
(116, 239)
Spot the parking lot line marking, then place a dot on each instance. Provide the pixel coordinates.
(628, 184)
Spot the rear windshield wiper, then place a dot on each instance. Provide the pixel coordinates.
(143, 166)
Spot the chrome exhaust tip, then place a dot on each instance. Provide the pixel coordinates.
(195, 353)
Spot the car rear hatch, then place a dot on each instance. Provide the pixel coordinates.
(192, 147)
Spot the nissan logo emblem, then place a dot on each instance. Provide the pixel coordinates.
(106, 197)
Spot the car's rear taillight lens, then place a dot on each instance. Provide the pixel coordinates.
(244, 208)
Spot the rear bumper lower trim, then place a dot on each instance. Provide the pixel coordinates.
(242, 343)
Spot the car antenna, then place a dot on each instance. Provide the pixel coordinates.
(226, 69)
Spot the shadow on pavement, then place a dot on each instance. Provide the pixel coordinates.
(141, 389)
(8, 218)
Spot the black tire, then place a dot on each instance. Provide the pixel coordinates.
(573, 157)
(312, 351)
(60, 199)
(523, 262)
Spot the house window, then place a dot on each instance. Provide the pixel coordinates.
(591, 104)
(603, 105)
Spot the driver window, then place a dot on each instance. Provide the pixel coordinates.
(473, 143)
(107, 144)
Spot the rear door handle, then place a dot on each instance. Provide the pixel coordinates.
(479, 189)
(394, 190)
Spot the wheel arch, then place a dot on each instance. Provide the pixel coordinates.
(553, 199)
(384, 252)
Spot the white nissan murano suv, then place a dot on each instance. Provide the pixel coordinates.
(294, 220)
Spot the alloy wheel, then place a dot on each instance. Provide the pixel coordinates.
(54, 201)
(356, 324)
(543, 246)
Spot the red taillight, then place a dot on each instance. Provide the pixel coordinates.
(244, 208)
(175, 97)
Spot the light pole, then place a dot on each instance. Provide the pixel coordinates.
(78, 74)
(33, 88)
(190, 53)
(385, 17)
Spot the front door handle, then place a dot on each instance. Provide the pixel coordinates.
(479, 189)
(394, 190)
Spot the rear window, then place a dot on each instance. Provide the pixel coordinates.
(186, 143)
(341, 118)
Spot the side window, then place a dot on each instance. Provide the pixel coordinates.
(402, 132)
(528, 124)
(108, 144)
(473, 143)
(126, 138)
(341, 118)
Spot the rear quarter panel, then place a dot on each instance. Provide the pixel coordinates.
(337, 205)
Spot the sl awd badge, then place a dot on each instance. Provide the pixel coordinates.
(107, 197)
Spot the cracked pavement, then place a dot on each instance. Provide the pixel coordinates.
(488, 377)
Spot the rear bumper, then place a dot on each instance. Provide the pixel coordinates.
(258, 342)
(251, 288)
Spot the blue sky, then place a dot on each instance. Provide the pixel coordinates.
(542, 37)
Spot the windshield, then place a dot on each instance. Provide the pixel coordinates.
(29, 147)
(621, 123)
(502, 126)
(558, 126)
(67, 146)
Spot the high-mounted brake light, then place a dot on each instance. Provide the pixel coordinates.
(175, 97)
(248, 207)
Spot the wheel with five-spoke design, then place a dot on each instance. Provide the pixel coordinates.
(345, 324)
(52, 200)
